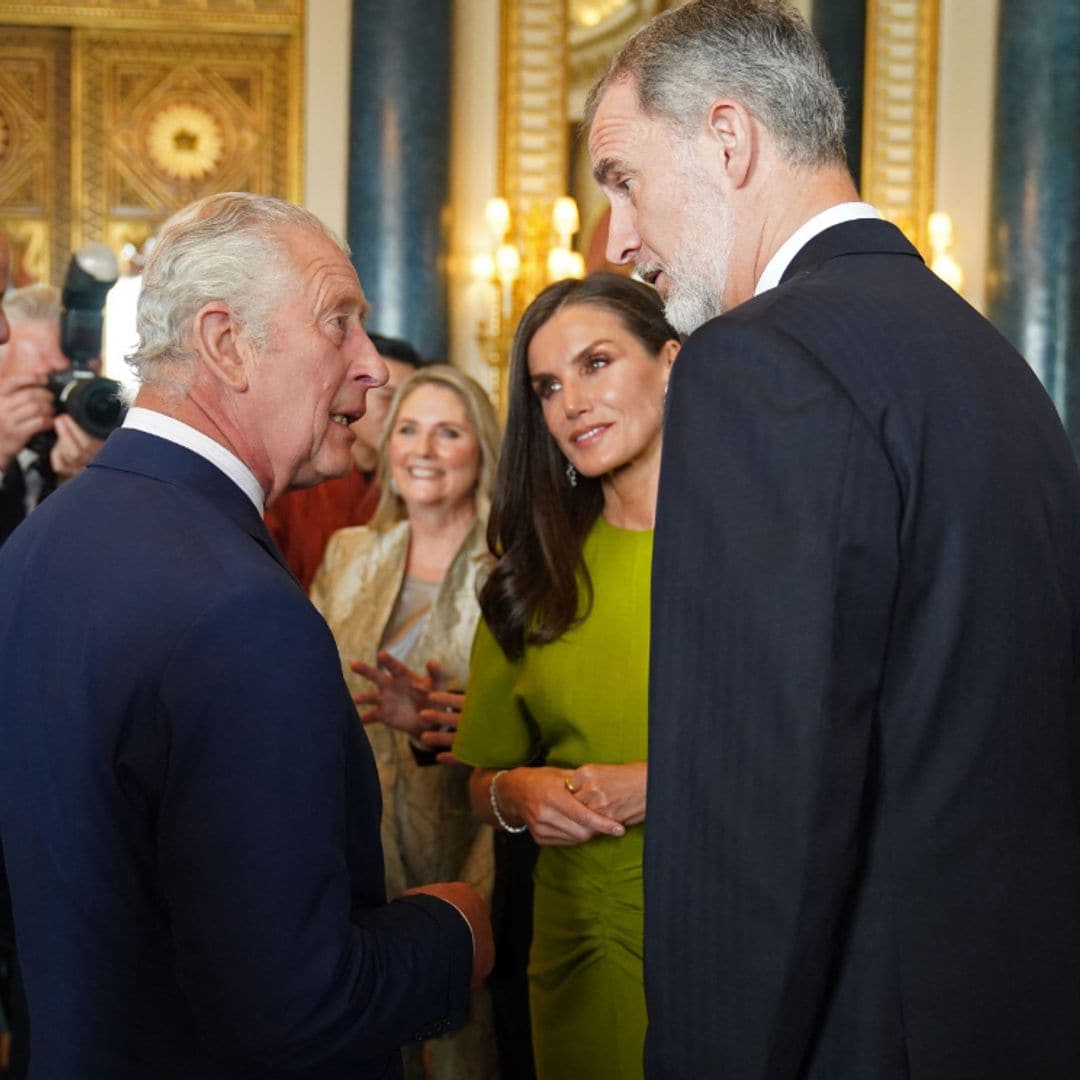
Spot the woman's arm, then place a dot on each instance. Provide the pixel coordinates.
(539, 798)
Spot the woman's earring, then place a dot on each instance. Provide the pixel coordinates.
(571, 474)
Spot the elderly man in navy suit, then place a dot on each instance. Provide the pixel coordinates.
(189, 810)
(863, 845)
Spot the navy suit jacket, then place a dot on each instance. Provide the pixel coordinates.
(189, 811)
(863, 850)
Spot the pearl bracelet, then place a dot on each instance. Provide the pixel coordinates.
(495, 807)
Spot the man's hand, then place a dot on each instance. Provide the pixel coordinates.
(73, 449)
(466, 899)
(26, 407)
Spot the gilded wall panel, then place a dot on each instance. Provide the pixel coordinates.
(900, 112)
(206, 15)
(168, 117)
(34, 146)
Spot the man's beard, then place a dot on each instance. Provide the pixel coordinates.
(697, 273)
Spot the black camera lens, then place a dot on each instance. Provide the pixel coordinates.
(93, 402)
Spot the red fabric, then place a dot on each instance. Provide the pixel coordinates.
(302, 521)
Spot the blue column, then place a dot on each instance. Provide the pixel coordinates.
(1034, 273)
(399, 165)
(840, 26)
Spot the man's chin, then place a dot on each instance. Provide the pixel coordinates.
(687, 310)
(315, 473)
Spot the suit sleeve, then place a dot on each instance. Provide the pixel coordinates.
(773, 576)
(285, 957)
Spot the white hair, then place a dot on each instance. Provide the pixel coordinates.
(228, 247)
(33, 303)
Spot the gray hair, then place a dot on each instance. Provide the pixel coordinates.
(33, 303)
(228, 247)
(758, 52)
(482, 419)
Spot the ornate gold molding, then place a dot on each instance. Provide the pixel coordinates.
(264, 16)
(597, 29)
(900, 112)
(533, 124)
(107, 126)
(34, 143)
(167, 118)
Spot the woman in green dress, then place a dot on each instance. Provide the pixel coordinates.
(555, 715)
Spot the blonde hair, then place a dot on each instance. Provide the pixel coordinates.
(482, 419)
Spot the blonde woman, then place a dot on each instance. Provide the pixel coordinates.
(400, 595)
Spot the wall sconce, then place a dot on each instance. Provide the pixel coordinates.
(939, 232)
(510, 274)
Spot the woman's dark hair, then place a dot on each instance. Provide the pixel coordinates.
(538, 520)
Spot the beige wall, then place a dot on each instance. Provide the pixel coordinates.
(967, 51)
(327, 42)
(474, 156)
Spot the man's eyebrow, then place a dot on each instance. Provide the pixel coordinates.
(603, 170)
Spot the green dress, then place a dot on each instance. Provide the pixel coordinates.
(580, 699)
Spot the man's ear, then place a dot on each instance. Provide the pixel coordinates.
(732, 128)
(216, 333)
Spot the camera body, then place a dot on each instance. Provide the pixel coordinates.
(91, 400)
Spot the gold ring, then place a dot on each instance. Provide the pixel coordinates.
(569, 786)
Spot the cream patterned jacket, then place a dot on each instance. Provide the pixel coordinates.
(428, 831)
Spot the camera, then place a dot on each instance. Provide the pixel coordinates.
(91, 400)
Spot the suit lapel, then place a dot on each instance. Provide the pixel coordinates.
(137, 452)
(866, 236)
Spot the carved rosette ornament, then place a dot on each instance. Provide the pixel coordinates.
(185, 142)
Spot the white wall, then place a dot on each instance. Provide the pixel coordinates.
(965, 130)
(474, 157)
(327, 44)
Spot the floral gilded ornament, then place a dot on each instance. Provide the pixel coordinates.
(185, 142)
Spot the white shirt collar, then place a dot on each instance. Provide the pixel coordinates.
(834, 215)
(176, 431)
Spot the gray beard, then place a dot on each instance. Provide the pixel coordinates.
(691, 304)
(697, 276)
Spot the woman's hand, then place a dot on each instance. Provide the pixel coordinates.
(441, 713)
(618, 791)
(539, 798)
(399, 695)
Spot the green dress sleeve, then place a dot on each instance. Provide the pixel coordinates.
(495, 730)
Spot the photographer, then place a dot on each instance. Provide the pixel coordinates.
(27, 407)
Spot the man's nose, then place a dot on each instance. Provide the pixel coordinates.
(366, 362)
(57, 361)
(623, 240)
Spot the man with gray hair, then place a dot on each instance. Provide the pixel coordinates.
(27, 407)
(862, 852)
(189, 810)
